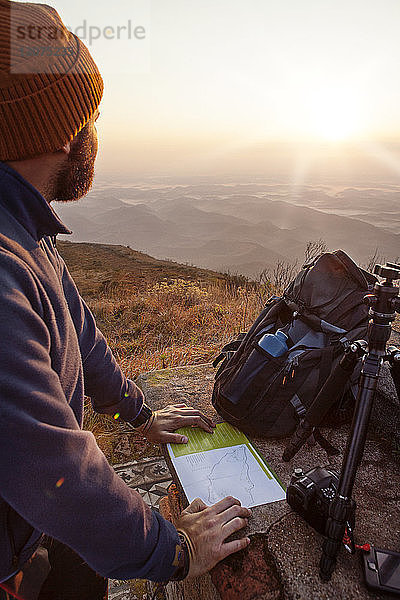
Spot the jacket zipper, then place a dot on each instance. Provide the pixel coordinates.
(15, 554)
(15, 557)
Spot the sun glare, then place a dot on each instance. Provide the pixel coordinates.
(335, 116)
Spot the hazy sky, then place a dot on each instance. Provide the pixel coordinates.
(216, 84)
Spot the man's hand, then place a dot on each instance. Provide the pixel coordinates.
(207, 527)
(170, 418)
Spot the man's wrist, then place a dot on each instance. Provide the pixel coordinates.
(182, 558)
(141, 422)
(146, 426)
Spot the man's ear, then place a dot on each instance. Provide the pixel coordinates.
(66, 148)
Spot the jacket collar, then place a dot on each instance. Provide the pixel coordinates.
(27, 205)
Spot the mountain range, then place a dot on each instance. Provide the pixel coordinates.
(237, 228)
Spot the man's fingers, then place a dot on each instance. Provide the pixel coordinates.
(233, 525)
(186, 421)
(188, 411)
(234, 546)
(197, 413)
(223, 504)
(173, 438)
(233, 511)
(196, 506)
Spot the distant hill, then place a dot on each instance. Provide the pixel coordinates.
(235, 228)
(96, 267)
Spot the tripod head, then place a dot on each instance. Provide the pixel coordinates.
(389, 271)
(392, 273)
(383, 303)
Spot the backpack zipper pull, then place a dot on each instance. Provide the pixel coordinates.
(290, 368)
(287, 370)
(294, 365)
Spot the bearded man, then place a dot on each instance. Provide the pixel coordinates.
(67, 521)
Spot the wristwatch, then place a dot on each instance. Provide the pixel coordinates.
(145, 414)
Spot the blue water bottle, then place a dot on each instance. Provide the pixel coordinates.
(275, 344)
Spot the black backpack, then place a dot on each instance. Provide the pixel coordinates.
(320, 312)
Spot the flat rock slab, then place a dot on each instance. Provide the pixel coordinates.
(282, 560)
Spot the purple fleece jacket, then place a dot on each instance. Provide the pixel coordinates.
(53, 477)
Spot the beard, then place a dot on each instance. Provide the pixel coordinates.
(74, 179)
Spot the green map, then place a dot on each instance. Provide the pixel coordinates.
(224, 436)
(213, 466)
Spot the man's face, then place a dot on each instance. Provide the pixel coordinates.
(74, 179)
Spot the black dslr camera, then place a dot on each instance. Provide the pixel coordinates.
(310, 494)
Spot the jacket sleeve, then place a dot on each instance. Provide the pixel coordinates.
(109, 390)
(51, 472)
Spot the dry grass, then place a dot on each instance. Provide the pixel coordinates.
(157, 314)
(173, 322)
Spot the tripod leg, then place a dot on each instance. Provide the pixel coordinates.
(342, 507)
(383, 303)
(341, 511)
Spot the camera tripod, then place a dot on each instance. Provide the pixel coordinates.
(383, 303)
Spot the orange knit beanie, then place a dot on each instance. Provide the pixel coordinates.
(49, 84)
